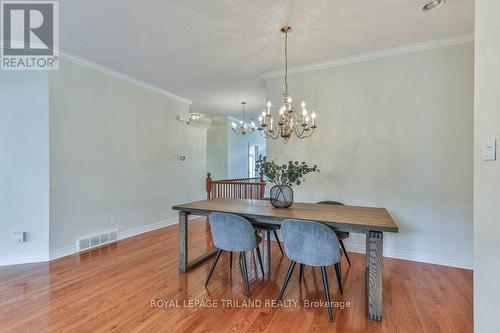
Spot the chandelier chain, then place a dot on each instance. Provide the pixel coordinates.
(286, 63)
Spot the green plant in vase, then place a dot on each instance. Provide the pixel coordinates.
(284, 176)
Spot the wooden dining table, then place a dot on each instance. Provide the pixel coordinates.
(372, 222)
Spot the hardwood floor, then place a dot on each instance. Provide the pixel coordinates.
(111, 289)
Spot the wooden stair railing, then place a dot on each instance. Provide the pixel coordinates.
(242, 188)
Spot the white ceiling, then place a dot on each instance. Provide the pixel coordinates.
(213, 52)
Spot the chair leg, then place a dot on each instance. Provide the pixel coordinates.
(327, 292)
(268, 239)
(245, 273)
(230, 262)
(213, 266)
(260, 260)
(339, 276)
(285, 284)
(345, 252)
(301, 273)
(278, 240)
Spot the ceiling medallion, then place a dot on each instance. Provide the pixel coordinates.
(289, 121)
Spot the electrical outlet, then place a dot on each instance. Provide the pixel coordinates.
(113, 220)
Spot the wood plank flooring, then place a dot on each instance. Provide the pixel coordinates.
(111, 289)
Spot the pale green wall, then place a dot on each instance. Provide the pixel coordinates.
(115, 150)
(395, 133)
(227, 152)
(237, 151)
(217, 147)
(487, 173)
(24, 165)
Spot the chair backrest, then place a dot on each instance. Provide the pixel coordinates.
(310, 243)
(231, 232)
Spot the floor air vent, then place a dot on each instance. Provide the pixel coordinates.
(97, 240)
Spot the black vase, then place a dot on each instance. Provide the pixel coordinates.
(281, 196)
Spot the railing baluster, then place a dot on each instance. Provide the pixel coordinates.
(242, 188)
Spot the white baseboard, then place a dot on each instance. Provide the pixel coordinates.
(15, 260)
(411, 256)
(63, 252)
(66, 251)
(416, 256)
(358, 248)
(146, 228)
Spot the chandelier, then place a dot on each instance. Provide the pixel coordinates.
(289, 121)
(243, 127)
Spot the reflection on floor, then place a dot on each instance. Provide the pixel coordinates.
(135, 285)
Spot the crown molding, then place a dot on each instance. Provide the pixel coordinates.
(411, 48)
(118, 75)
(198, 125)
(107, 71)
(192, 123)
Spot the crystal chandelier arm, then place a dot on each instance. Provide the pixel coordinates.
(268, 134)
(302, 134)
(274, 134)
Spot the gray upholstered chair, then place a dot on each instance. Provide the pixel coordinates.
(311, 243)
(234, 233)
(341, 235)
(267, 229)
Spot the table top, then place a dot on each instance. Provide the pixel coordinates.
(353, 218)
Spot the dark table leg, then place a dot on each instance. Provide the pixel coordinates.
(184, 263)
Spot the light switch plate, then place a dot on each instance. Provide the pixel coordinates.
(490, 150)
